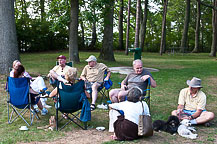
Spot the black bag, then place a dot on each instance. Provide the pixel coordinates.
(145, 127)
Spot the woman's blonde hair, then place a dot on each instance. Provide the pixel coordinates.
(71, 75)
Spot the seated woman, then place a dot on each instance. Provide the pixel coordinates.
(70, 78)
(126, 126)
(34, 89)
(37, 84)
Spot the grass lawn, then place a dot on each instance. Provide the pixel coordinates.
(174, 71)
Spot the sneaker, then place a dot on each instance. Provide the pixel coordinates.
(44, 111)
(102, 106)
(36, 110)
(47, 106)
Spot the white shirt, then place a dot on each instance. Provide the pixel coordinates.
(131, 110)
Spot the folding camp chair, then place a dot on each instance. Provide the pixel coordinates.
(104, 88)
(19, 99)
(147, 91)
(72, 102)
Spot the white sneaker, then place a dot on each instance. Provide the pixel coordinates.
(47, 106)
(37, 110)
(102, 106)
(44, 111)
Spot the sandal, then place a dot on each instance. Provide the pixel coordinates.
(92, 107)
(113, 137)
(65, 116)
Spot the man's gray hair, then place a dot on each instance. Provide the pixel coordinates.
(136, 61)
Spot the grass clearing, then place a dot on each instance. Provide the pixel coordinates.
(175, 70)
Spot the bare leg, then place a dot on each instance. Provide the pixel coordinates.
(94, 92)
(113, 95)
(121, 95)
(205, 117)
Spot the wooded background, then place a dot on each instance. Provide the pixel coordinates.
(105, 26)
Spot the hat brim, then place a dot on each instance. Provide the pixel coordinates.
(195, 86)
(89, 60)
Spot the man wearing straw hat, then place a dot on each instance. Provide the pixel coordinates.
(192, 102)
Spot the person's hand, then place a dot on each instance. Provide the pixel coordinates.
(123, 87)
(106, 79)
(179, 111)
(145, 77)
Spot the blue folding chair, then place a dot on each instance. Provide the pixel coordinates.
(71, 101)
(19, 99)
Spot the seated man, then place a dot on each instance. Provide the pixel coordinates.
(59, 71)
(192, 102)
(137, 78)
(93, 75)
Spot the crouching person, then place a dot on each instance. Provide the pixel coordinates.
(191, 104)
(126, 125)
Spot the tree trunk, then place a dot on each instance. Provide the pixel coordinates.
(143, 27)
(163, 31)
(128, 28)
(82, 35)
(214, 28)
(120, 25)
(186, 26)
(106, 52)
(94, 37)
(197, 31)
(42, 9)
(8, 38)
(73, 32)
(138, 9)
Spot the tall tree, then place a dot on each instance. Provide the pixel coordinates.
(186, 26)
(128, 27)
(138, 9)
(214, 27)
(120, 25)
(8, 39)
(106, 52)
(197, 31)
(163, 31)
(42, 9)
(73, 31)
(143, 27)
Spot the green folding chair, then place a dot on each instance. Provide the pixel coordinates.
(73, 103)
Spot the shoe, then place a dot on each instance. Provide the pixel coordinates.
(44, 111)
(47, 106)
(102, 106)
(207, 124)
(92, 107)
(36, 110)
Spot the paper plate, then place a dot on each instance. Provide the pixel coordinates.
(100, 128)
(23, 128)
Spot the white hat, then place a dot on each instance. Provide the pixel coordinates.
(194, 82)
(91, 58)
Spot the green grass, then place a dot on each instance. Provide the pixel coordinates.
(174, 71)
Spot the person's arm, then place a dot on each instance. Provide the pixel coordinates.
(124, 83)
(53, 93)
(153, 82)
(83, 75)
(108, 76)
(196, 114)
